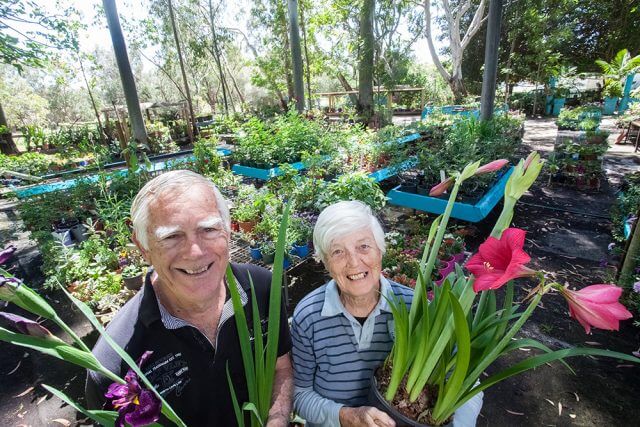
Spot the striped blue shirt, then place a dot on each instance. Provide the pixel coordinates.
(333, 355)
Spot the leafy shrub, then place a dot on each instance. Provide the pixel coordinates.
(353, 186)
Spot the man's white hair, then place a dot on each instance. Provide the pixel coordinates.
(343, 218)
(174, 181)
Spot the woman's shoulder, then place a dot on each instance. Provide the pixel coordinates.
(310, 304)
(400, 290)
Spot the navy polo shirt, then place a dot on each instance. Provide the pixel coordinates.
(185, 367)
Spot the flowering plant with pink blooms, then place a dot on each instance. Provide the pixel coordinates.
(453, 332)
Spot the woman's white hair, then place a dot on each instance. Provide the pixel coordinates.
(343, 218)
(174, 181)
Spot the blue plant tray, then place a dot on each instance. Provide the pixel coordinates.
(382, 174)
(264, 174)
(464, 211)
(70, 183)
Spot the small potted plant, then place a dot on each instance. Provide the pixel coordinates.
(133, 276)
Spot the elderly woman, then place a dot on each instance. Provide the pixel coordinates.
(343, 330)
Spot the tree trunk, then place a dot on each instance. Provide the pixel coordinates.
(306, 55)
(365, 63)
(296, 55)
(216, 57)
(93, 103)
(491, 60)
(126, 75)
(192, 116)
(7, 145)
(347, 87)
(282, 18)
(630, 259)
(509, 86)
(235, 86)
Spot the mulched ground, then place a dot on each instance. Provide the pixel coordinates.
(568, 234)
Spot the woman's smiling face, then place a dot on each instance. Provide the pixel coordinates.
(354, 261)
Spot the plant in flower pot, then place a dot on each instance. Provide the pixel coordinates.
(300, 234)
(268, 251)
(133, 276)
(247, 215)
(444, 345)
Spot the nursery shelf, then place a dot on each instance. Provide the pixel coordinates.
(265, 174)
(464, 211)
(34, 190)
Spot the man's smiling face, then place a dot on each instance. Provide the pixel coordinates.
(188, 245)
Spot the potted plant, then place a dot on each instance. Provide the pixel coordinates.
(268, 251)
(133, 276)
(247, 215)
(611, 93)
(443, 346)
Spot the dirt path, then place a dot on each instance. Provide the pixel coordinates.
(568, 232)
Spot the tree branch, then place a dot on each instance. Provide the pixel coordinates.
(432, 50)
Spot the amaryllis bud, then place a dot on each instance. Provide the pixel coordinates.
(441, 188)
(596, 306)
(492, 166)
(529, 159)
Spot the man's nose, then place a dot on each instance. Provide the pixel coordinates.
(194, 248)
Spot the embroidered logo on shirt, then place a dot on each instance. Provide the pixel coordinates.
(169, 373)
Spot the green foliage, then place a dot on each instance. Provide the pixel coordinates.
(30, 163)
(266, 144)
(469, 139)
(33, 47)
(353, 186)
(207, 158)
(585, 118)
(612, 89)
(160, 140)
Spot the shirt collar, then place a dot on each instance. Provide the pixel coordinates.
(333, 306)
(152, 309)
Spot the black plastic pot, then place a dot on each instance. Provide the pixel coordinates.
(378, 401)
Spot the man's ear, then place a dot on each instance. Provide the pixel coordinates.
(141, 248)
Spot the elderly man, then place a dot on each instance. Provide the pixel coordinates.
(184, 313)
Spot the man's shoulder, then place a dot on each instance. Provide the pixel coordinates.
(251, 273)
(121, 329)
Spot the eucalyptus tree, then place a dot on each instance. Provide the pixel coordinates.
(365, 60)
(457, 35)
(172, 19)
(126, 75)
(296, 54)
(271, 47)
(45, 34)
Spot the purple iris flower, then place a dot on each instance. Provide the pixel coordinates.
(636, 287)
(28, 327)
(136, 406)
(7, 254)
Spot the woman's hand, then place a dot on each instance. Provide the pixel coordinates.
(364, 416)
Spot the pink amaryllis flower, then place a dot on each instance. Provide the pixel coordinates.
(492, 166)
(136, 406)
(439, 189)
(596, 306)
(500, 260)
